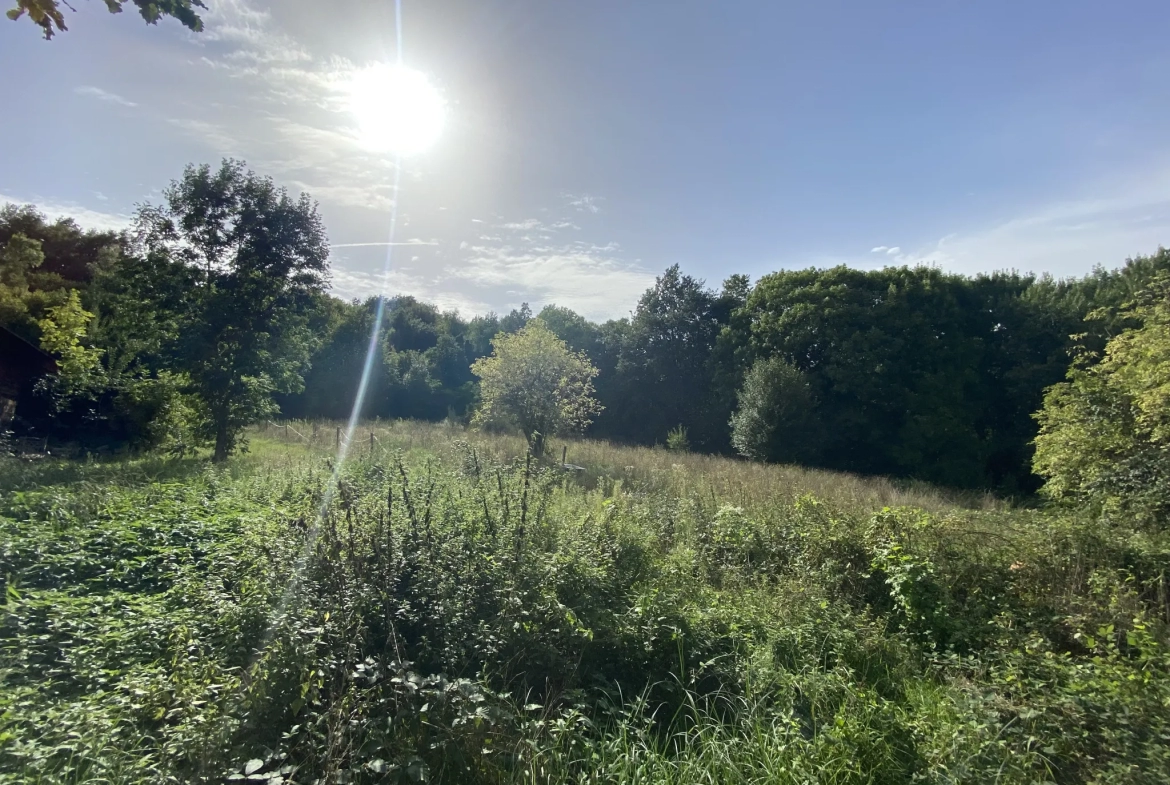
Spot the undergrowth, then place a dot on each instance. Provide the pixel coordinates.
(462, 614)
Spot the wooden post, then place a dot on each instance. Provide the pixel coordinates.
(339, 438)
(371, 444)
(564, 453)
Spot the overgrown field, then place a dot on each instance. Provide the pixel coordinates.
(461, 614)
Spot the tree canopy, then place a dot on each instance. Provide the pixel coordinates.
(1105, 432)
(259, 257)
(213, 313)
(47, 14)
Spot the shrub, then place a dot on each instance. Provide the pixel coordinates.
(776, 420)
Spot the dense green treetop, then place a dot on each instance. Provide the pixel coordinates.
(260, 258)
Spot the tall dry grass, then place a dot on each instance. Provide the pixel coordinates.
(753, 486)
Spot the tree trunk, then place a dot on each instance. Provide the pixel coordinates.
(222, 441)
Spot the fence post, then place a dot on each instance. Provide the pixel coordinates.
(564, 453)
(339, 437)
(371, 444)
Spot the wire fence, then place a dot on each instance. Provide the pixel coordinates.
(325, 436)
(37, 447)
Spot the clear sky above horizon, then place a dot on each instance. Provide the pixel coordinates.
(589, 145)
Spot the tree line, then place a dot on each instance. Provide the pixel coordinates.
(212, 313)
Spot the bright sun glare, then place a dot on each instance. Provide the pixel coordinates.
(396, 108)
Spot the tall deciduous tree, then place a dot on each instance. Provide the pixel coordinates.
(664, 369)
(48, 15)
(260, 258)
(532, 381)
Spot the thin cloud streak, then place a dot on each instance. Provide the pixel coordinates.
(384, 245)
(104, 95)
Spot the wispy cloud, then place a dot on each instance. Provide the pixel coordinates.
(84, 216)
(497, 273)
(238, 23)
(1124, 217)
(279, 103)
(358, 284)
(211, 134)
(521, 226)
(103, 95)
(285, 110)
(584, 203)
(589, 279)
(384, 245)
(1064, 238)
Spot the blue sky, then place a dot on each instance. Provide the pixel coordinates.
(589, 145)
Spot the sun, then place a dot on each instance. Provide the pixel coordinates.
(396, 108)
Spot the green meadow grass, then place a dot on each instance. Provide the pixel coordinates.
(463, 614)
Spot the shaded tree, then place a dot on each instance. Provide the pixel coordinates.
(578, 333)
(479, 333)
(41, 260)
(18, 258)
(516, 318)
(261, 257)
(663, 376)
(71, 254)
(897, 359)
(336, 366)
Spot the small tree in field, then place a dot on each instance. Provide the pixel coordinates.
(258, 258)
(776, 419)
(533, 382)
